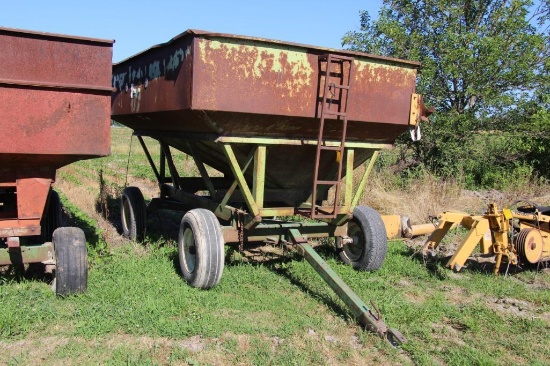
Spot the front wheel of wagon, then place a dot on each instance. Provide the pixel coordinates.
(200, 248)
(133, 214)
(71, 267)
(366, 245)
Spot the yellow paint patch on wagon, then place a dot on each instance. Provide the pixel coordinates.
(246, 60)
(380, 72)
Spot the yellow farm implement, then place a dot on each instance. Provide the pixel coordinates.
(519, 236)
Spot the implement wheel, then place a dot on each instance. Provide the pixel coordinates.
(133, 214)
(367, 245)
(71, 268)
(52, 217)
(529, 245)
(201, 248)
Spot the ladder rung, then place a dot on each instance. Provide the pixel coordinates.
(334, 113)
(327, 182)
(337, 86)
(332, 101)
(333, 148)
(332, 74)
(336, 58)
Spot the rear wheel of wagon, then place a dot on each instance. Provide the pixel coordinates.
(133, 214)
(71, 268)
(366, 246)
(201, 248)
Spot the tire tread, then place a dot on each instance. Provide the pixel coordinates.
(209, 248)
(135, 229)
(376, 241)
(71, 272)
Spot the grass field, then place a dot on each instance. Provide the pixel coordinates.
(269, 308)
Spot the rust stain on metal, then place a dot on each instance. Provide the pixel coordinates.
(56, 96)
(256, 62)
(242, 77)
(385, 89)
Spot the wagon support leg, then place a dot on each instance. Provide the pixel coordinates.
(362, 183)
(366, 317)
(239, 178)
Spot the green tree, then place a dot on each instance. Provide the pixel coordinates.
(485, 69)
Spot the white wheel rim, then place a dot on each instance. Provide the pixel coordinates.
(126, 215)
(189, 250)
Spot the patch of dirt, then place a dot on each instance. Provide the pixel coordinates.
(45, 349)
(358, 348)
(192, 344)
(449, 331)
(517, 308)
(534, 280)
(32, 349)
(458, 296)
(414, 298)
(85, 200)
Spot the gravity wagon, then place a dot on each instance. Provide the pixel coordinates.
(55, 92)
(286, 125)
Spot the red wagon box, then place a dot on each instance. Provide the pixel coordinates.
(54, 110)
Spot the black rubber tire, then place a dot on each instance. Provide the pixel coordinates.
(51, 219)
(201, 249)
(133, 214)
(370, 243)
(71, 267)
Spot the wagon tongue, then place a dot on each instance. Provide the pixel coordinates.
(370, 319)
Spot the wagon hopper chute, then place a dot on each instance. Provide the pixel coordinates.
(55, 92)
(283, 123)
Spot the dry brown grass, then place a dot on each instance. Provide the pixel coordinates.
(228, 349)
(429, 196)
(420, 200)
(86, 197)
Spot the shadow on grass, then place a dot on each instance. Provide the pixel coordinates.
(75, 219)
(323, 297)
(484, 264)
(37, 271)
(164, 225)
(275, 263)
(161, 224)
(25, 272)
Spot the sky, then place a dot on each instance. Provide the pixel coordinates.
(138, 25)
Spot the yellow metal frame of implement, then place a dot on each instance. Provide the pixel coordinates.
(399, 226)
(491, 232)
